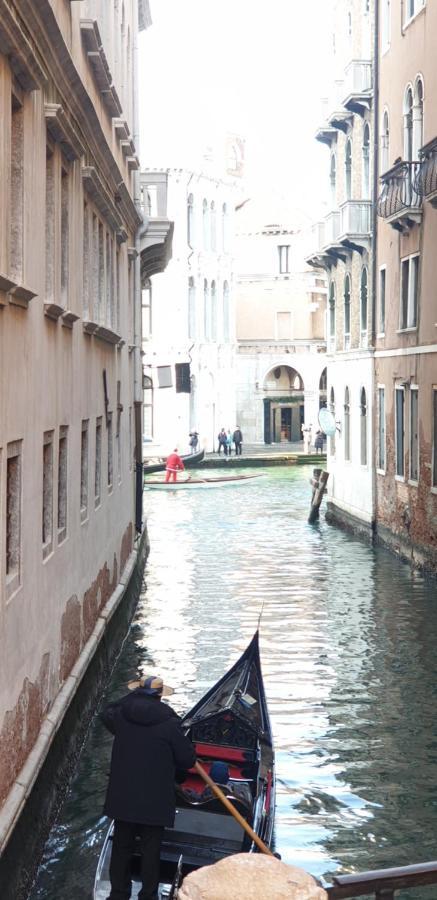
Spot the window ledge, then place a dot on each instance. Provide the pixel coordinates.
(408, 330)
(53, 311)
(380, 472)
(21, 296)
(6, 285)
(101, 332)
(69, 318)
(413, 18)
(400, 479)
(413, 482)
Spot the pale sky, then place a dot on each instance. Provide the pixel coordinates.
(257, 68)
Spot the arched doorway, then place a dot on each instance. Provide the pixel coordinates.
(323, 388)
(283, 405)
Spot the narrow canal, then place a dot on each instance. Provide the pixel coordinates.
(348, 647)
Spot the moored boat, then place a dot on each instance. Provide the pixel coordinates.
(230, 724)
(197, 482)
(158, 465)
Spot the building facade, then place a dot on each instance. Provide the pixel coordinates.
(281, 346)
(188, 314)
(342, 248)
(406, 346)
(71, 392)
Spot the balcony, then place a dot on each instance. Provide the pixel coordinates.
(156, 236)
(333, 115)
(328, 246)
(400, 200)
(426, 180)
(358, 86)
(355, 224)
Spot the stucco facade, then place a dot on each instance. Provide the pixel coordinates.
(406, 346)
(189, 317)
(69, 356)
(342, 248)
(281, 347)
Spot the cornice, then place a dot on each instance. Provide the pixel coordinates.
(15, 45)
(59, 127)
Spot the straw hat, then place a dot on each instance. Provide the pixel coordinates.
(151, 685)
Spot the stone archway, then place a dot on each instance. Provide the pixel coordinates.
(283, 404)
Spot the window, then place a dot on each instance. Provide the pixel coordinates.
(382, 284)
(84, 471)
(206, 312)
(190, 220)
(213, 227)
(418, 118)
(283, 326)
(385, 24)
(347, 426)
(381, 429)
(98, 464)
(225, 228)
(414, 434)
(434, 436)
(183, 378)
(333, 180)
(50, 226)
(366, 162)
(191, 309)
(412, 7)
(205, 222)
(47, 494)
(385, 142)
(399, 431)
(65, 233)
(62, 483)
(332, 411)
(13, 516)
(131, 442)
(363, 305)
(363, 427)
(213, 311)
(409, 292)
(16, 211)
(86, 263)
(226, 312)
(347, 312)
(284, 262)
(110, 453)
(408, 124)
(348, 169)
(332, 316)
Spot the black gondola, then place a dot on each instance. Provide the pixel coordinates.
(190, 460)
(229, 724)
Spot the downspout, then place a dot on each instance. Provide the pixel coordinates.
(375, 193)
(138, 375)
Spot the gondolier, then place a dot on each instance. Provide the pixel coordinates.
(149, 745)
(173, 465)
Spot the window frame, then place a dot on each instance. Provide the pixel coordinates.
(381, 319)
(382, 432)
(412, 297)
(399, 476)
(414, 389)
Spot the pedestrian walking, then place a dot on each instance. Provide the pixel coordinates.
(238, 440)
(222, 442)
(149, 745)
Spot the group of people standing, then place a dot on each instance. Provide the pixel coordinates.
(226, 439)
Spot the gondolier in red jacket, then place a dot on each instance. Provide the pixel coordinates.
(173, 465)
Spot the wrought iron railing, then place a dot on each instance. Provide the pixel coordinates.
(426, 178)
(400, 190)
(382, 884)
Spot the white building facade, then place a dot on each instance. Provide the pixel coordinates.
(281, 347)
(189, 316)
(342, 248)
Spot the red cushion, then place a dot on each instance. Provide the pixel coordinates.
(224, 753)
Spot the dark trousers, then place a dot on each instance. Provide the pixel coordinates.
(123, 844)
(237, 449)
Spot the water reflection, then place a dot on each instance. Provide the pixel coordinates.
(348, 650)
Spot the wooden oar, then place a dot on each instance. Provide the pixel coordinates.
(231, 808)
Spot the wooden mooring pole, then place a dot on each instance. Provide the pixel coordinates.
(318, 483)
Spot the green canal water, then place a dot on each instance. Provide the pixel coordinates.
(348, 644)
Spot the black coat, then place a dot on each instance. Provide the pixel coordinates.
(149, 745)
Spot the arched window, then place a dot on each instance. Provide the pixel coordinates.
(418, 118)
(385, 142)
(226, 315)
(363, 428)
(190, 220)
(347, 425)
(205, 222)
(191, 309)
(366, 162)
(333, 180)
(347, 312)
(363, 305)
(408, 124)
(348, 169)
(349, 24)
(206, 311)
(213, 227)
(332, 315)
(213, 311)
(225, 225)
(332, 411)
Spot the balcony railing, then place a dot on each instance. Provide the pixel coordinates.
(426, 180)
(356, 218)
(332, 228)
(400, 200)
(383, 883)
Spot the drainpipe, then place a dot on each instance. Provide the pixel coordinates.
(375, 192)
(138, 373)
